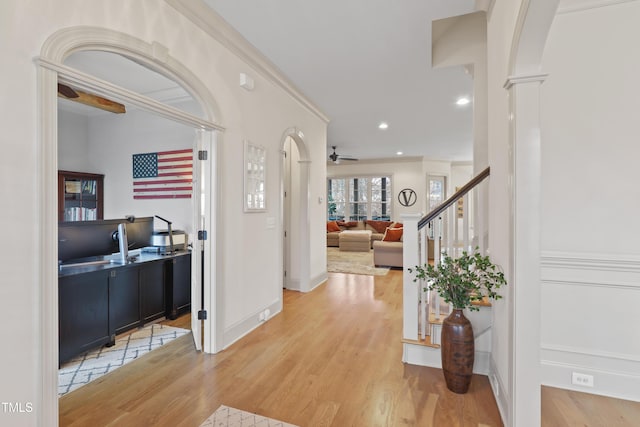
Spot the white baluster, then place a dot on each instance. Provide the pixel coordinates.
(465, 221)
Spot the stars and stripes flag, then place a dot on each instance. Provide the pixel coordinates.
(163, 175)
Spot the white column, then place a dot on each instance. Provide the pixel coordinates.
(410, 289)
(524, 283)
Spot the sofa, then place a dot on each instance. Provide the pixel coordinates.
(387, 251)
(377, 228)
(389, 254)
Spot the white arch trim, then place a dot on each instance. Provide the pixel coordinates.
(302, 210)
(153, 55)
(50, 68)
(71, 76)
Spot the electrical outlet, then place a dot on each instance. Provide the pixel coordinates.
(583, 380)
(261, 316)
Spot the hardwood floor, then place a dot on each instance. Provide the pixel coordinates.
(572, 408)
(331, 358)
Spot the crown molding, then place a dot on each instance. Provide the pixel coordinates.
(213, 24)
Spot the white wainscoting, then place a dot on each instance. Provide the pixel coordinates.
(590, 322)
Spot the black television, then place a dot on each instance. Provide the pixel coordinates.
(83, 239)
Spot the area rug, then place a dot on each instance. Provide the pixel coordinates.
(225, 416)
(96, 363)
(352, 262)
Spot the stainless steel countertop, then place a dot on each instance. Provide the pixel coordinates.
(107, 262)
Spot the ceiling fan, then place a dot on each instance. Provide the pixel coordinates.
(335, 157)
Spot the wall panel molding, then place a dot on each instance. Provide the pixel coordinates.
(598, 339)
(609, 262)
(590, 270)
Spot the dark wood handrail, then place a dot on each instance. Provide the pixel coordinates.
(454, 198)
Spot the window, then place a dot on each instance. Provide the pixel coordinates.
(437, 191)
(359, 198)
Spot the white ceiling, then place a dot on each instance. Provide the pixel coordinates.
(360, 61)
(363, 62)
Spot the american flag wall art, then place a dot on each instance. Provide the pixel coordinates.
(163, 175)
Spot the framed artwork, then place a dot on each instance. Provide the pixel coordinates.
(255, 162)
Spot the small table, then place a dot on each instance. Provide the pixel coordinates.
(355, 240)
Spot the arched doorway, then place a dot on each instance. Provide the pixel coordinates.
(295, 211)
(155, 57)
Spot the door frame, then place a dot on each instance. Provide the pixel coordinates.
(303, 282)
(50, 70)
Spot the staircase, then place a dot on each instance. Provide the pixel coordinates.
(459, 223)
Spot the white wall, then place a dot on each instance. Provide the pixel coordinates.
(249, 268)
(590, 255)
(462, 41)
(113, 139)
(104, 143)
(73, 134)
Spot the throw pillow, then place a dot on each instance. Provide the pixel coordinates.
(379, 226)
(392, 235)
(396, 225)
(332, 226)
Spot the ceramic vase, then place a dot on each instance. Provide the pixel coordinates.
(457, 350)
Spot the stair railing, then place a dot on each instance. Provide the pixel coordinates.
(459, 223)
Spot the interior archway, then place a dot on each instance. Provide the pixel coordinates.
(298, 238)
(51, 70)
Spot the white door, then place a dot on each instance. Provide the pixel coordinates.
(202, 312)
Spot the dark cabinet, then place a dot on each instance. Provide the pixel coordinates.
(152, 290)
(83, 319)
(80, 196)
(96, 306)
(124, 300)
(178, 285)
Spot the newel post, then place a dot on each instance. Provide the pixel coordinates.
(411, 256)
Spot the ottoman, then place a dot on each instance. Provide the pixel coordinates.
(355, 240)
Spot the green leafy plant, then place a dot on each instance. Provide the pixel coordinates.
(461, 281)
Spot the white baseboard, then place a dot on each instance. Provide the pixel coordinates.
(499, 391)
(293, 285)
(613, 375)
(318, 280)
(239, 329)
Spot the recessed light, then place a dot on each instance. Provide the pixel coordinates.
(463, 101)
(399, 153)
(383, 125)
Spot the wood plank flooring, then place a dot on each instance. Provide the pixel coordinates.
(571, 408)
(331, 358)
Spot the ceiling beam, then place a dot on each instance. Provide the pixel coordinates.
(96, 101)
